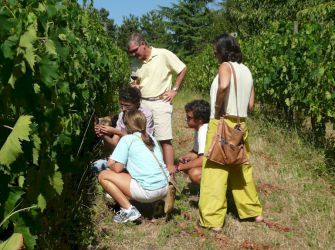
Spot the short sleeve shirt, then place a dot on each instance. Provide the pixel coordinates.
(148, 115)
(155, 74)
(139, 161)
(200, 139)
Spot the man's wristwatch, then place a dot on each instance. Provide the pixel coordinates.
(175, 89)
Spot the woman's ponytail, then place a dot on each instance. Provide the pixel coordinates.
(135, 121)
(148, 141)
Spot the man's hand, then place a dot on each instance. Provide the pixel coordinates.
(107, 130)
(169, 95)
(188, 157)
(97, 130)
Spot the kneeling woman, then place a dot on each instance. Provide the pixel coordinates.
(144, 181)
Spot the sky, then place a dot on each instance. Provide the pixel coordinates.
(119, 8)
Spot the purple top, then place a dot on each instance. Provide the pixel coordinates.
(148, 115)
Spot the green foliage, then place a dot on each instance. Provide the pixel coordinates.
(251, 17)
(14, 242)
(201, 71)
(129, 25)
(299, 78)
(57, 67)
(189, 23)
(12, 147)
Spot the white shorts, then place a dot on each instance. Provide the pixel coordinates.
(146, 196)
(162, 115)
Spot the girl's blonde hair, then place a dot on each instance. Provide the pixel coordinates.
(135, 121)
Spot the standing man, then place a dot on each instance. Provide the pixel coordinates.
(153, 72)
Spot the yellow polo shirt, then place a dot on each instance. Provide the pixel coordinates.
(155, 74)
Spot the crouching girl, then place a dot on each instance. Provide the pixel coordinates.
(146, 177)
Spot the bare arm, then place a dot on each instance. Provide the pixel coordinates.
(115, 166)
(109, 130)
(111, 141)
(188, 157)
(224, 81)
(169, 95)
(180, 78)
(252, 98)
(196, 163)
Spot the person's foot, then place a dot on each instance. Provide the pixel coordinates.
(216, 229)
(124, 216)
(259, 218)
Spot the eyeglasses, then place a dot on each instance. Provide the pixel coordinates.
(188, 118)
(133, 51)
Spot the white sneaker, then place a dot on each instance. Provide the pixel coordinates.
(124, 216)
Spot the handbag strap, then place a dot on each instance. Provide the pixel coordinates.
(161, 167)
(235, 87)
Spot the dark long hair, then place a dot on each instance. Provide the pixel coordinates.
(135, 121)
(227, 48)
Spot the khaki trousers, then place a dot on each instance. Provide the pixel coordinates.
(215, 180)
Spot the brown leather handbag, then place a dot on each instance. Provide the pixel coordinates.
(228, 147)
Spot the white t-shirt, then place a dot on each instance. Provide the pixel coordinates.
(200, 139)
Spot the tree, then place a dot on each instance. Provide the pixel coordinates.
(108, 24)
(129, 25)
(189, 24)
(154, 29)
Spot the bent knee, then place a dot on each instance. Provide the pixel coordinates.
(195, 174)
(102, 175)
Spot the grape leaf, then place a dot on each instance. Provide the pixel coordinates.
(50, 47)
(26, 41)
(41, 202)
(13, 197)
(48, 71)
(15, 241)
(57, 182)
(29, 240)
(36, 149)
(12, 147)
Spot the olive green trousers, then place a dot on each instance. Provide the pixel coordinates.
(215, 179)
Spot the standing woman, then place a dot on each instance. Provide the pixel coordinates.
(216, 178)
(138, 153)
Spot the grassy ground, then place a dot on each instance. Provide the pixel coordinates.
(299, 205)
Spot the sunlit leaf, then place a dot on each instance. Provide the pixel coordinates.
(12, 147)
(57, 182)
(41, 202)
(21, 181)
(13, 243)
(29, 239)
(37, 145)
(26, 41)
(50, 47)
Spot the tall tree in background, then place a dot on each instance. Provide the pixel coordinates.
(189, 24)
(153, 28)
(108, 24)
(129, 25)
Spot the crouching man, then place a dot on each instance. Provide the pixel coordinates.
(197, 117)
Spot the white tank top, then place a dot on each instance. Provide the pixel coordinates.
(244, 85)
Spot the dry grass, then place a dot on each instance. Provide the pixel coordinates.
(299, 206)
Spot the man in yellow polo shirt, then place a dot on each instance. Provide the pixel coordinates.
(153, 72)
